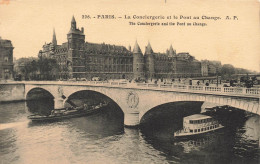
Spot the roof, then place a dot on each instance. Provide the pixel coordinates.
(171, 51)
(197, 117)
(73, 19)
(149, 49)
(76, 31)
(136, 48)
(104, 47)
(5, 43)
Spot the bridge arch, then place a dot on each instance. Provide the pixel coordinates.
(39, 93)
(176, 108)
(242, 104)
(89, 90)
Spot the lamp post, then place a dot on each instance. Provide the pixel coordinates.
(217, 80)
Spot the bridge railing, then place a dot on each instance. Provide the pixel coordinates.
(173, 87)
(196, 88)
(252, 91)
(142, 84)
(181, 87)
(212, 89)
(152, 85)
(166, 86)
(114, 83)
(122, 83)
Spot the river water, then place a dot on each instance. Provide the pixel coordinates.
(102, 138)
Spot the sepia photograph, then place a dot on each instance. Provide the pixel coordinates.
(129, 82)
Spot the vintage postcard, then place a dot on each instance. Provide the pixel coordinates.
(128, 81)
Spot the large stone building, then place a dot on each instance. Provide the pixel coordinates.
(6, 59)
(80, 59)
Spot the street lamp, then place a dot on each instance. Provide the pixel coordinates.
(217, 79)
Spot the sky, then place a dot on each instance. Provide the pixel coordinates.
(30, 23)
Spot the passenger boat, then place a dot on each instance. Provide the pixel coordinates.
(69, 112)
(198, 124)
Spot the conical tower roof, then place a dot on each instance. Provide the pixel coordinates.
(136, 48)
(54, 40)
(73, 19)
(171, 51)
(148, 49)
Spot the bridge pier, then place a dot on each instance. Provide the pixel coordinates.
(131, 119)
(58, 103)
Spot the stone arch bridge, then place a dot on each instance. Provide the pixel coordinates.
(137, 99)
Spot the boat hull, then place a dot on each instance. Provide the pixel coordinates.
(189, 135)
(65, 116)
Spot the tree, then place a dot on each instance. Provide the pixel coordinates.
(32, 68)
(24, 67)
(227, 71)
(48, 68)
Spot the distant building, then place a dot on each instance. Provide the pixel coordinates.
(210, 68)
(80, 59)
(6, 62)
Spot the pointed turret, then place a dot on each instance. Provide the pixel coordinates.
(73, 19)
(149, 61)
(136, 49)
(73, 23)
(171, 51)
(148, 49)
(54, 40)
(138, 62)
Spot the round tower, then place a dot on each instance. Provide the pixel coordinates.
(149, 62)
(138, 62)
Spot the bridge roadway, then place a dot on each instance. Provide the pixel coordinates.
(136, 99)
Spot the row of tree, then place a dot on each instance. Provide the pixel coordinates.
(228, 70)
(36, 69)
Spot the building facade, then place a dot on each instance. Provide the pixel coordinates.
(80, 59)
(6, 62)
(210, 68)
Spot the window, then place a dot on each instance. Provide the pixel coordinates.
(6, 58)
(198, 130)
(195, 130)
(191, 122)
(202, 129)
(191, 131)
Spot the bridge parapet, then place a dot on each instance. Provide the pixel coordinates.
(232, 91)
